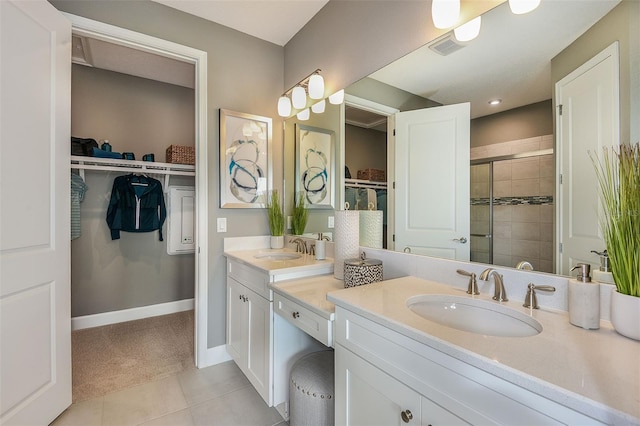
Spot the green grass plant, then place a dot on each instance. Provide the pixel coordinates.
(618, 175)
(300, 215)
(276, 216)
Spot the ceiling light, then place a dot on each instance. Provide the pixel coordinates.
(316, 86)
(337, 98)
(495, 101)
(299, 97)
(520, 7)
(318, 108)
(284, 106)
(468, 31)
(445, 13)
(304, 115)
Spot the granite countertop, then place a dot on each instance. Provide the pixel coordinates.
(596, 372)
(311, 293)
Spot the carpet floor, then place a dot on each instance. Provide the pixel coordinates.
(118, 356)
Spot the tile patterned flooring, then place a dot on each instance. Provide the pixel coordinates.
(216, 395)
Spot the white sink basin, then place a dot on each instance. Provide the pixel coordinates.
(278, 256)
(473, 315)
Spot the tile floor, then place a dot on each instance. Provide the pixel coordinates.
(217, 395)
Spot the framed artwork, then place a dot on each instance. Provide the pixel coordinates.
(315, 174)
(245, 159)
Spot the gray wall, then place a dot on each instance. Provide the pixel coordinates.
(141, 116)
(621, 24)
(234, 82)
(364, 149)
(384, 94)
(518, 123)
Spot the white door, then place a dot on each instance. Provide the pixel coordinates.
(432, 181)
(588, 120)
(35, 315)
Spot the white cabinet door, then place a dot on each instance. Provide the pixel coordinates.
(366, 396)
(35, 120)
(258, 369)
(236, 322)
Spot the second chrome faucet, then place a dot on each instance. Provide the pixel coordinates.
(499, 294)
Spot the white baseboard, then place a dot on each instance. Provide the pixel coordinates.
(114, 317)
(215, 356)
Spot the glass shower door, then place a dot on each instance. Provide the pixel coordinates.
(481, 213)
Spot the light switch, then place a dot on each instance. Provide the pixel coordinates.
(331, 223)
(222, 224)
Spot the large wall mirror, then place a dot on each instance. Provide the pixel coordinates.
(507, 177)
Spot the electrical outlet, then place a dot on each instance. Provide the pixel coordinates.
(222, 224)
(330, 223)
(289, 219)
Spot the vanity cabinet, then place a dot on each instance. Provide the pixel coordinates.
(382, 375)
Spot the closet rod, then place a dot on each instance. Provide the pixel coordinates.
(359, 183)
(149, 170)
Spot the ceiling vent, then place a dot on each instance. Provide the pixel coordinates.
(446, 45)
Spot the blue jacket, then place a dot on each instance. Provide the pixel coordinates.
(136, 205)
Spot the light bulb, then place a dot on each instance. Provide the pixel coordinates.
(318, 108)
(337, 98)
(468, 31)
(299, 97)
(304, 114)
(284, 106)
(316, 87)
(445, 13)
(520, 7)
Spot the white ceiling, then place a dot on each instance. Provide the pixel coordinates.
(276, 21)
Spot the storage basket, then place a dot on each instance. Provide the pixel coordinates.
(372, 174)
(180, 154)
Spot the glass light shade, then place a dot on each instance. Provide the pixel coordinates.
(468, 31)
(318, 108)
(520, 7)
(284, 106)
(299, 97)
(304, 115)
(445, 13)
(316, 87)
(337, 98)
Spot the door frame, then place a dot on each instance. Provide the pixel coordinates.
(146, 43)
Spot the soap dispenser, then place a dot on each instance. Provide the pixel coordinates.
(320, 247)
(584, 299)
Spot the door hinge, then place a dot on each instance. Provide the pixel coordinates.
(560, 248)
(560, 109)
(394, 132)
(560, 179)
(393, 185)
(394, 238)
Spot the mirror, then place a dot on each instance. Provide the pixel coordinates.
(481, 69)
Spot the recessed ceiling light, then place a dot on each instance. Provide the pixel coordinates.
(495, 101)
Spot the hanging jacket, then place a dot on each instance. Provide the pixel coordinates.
(136, 205)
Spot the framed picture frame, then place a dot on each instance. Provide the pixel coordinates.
(245, 159)
(315, 166)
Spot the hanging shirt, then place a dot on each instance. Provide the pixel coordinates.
(136, 205)
(78, 189)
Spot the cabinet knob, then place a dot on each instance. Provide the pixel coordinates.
(240, 297)
(406, 415)
(295, 315)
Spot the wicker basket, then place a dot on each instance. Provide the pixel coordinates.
(372, 174)
(180, 154)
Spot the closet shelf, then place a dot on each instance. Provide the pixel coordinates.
(359, 183)
(109, 164)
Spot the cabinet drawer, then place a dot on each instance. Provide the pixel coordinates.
(311, 323)
(252, 278)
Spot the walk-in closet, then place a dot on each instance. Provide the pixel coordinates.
(132, 297)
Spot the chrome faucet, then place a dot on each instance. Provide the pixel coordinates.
(301, 247)
(472, 288)
(524, 265)
(499, 293)
(530, 300)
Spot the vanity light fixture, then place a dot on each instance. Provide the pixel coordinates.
(520, 7)
(337, 98)
(468, 31)
(318, 107)
(495, 102)
(304, 115)
(297, 95)
(445, 13)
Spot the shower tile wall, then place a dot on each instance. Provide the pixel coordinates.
(523, 209)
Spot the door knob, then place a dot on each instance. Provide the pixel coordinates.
(461, 240)
(406, 416)
(295, 315)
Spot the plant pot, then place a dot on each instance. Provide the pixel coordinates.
(625, 314)
(277, 242)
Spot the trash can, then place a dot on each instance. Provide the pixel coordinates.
(311, 390)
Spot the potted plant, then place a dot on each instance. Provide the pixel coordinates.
(300, 214)
(618, 175)
(276, 219)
